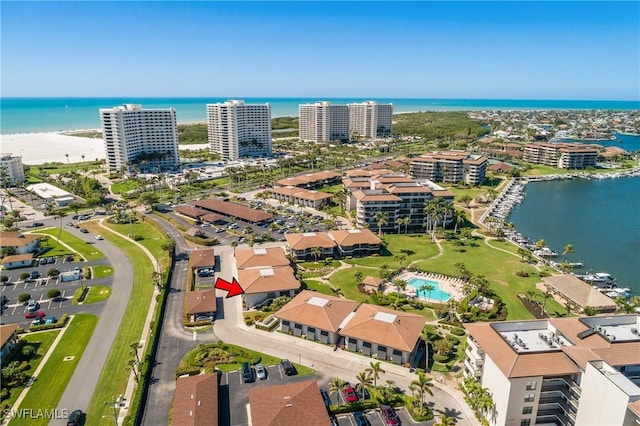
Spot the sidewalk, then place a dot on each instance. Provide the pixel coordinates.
(144, 339)
(42, 364)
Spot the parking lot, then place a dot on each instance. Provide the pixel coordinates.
(14, 311)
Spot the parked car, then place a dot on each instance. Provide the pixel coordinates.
(37, 321)
(205, 272)
(51, 320)
(389, 415)
(75, 418)
(247, 373)
(334, 420)
(261, 372)
(204, 318)
(4, 300)
(325, 397)
(34, 274)
(84, 230)
(51, 260)
(360, 419)
(99, 237)
(42, 261)
(32, 315)
(288, 368)
(349, 393)
(33, 305)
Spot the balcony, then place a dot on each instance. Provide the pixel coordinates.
(561, 402)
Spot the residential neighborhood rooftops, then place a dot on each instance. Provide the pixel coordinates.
(350, 237)
(196, 401)
(202, 258)
(309, 240)
(396, 329)
(289, 404)
(15, 239)
(198, 301)
(262, 280)
(260, 257)
(317, 310)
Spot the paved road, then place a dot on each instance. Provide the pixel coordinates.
(174, 340)
(85, 378)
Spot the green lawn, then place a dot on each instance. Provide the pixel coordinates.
(42, 342)
(146, 235)
(497, 266)
(318, 286)
(345, 280)
(241, 355)
(101, 271)
(52, 380)
(88, 251)
(412, 246)
(113, 380)
(124, 186)
(97, 293)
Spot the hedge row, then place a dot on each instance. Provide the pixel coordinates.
(59, 324)
(201, 241)
(355, 406)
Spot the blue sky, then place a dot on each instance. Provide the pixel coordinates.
(513, 50)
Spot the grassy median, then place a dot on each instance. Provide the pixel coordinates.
(87, 251)
(46, 391)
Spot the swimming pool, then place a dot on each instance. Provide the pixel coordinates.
(436, 294)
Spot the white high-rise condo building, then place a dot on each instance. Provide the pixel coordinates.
(142, 139)
(323, 122)
(239, 130)
(370, 119)
(11, 170)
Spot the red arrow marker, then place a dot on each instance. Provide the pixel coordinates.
(232, 287)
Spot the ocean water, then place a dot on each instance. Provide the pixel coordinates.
(19, 115)
(600, 218)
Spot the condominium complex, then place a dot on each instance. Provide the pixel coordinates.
(370, 119)
(396, 195)
(239, 130)
(323, 122)
(562, 155)
(563, 371)
(450, 167)
(11, 170)
(136, 138)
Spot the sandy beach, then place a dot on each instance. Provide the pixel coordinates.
(39, 148)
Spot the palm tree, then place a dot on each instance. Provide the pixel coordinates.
(316, 252)
(399, 222)
(400, 285)
(358, 276)
(375, 369)
(406, 222)
(60, 214)
(459, 218)
(157, 279)
(427, 287)
(447, 213)
(445, 421)
(423, 386)
(382, 218)
(466, 200)
(67, 155)
(364, 381)
(335, 385)
(568, 249)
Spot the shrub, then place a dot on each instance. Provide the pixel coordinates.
(24, 297)
(442, 359)
(53, 293)
(4, 278)
(24, 276)
(456, 331)
(24, 365)
(4, 394)
(523, 274)
(53, 272)
(187, 370)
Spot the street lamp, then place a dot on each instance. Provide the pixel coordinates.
(114, 404)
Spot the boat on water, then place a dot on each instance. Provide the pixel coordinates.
(614, 293)
(545, 252)
(599, 280)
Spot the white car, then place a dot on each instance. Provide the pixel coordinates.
(99, 237)
(261, 372)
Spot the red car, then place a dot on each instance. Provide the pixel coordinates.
(31, 315)
(349, 393)
(389, 414)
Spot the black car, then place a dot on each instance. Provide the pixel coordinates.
(84, 230)
(325, 397)
(74, 418)
(247, 372)
(288, 368)
(360, 419)
(4, 300)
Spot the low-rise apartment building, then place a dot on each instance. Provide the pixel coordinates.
(301, 196)
(19, 243)
(563, 371)
(562, 155)
(449, 167)
(311, 180)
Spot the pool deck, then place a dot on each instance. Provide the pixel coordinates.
(450, 285)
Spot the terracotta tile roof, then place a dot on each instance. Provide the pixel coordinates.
(309, 178)
(191, 211)
(499, 167)
(317, 310)
(635, 407)
(372, 281)
(213, 217)
(307, 240)
(289, 404)
(262, 280)
(395, 329)
(442, 193)
(313, 195)
(233, 210)
(383, 196)
(256, 257)
(475, 161)
(202, 257)
(408, 189)
(618, 354)
(198, 301)
(394, 179)
(196, 401)
(359, 172)
(578, 291)
(6, 331)
(286, 190)
(357, 183)
(494, 345)
(542, 364)
(15, 239)
(17, 258)
(351, 237)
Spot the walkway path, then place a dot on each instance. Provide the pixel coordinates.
(42, 364)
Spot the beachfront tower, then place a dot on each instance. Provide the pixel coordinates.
(239, 130)
(139, 139)
(323, 122)
(370, 120)
(11, 170)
